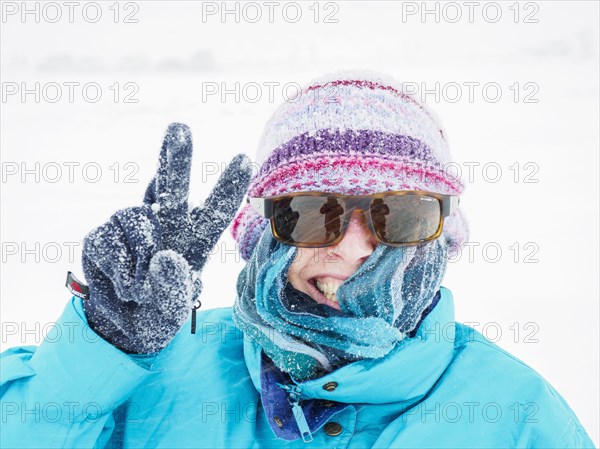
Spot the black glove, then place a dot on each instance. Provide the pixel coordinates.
(143, 266)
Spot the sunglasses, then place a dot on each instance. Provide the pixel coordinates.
(320, 219)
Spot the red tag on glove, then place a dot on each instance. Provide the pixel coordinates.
(76, 287)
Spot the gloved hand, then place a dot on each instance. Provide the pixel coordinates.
(143, 266)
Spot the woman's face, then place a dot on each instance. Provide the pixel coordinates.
(319, 272)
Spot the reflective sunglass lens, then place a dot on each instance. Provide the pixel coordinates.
(405, 218)
(309, 219)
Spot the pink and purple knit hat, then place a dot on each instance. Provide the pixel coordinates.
(353, 133)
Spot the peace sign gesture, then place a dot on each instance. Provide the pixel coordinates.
(143, 266)
(193, 234)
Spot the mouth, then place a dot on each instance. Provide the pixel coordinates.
(323, 290)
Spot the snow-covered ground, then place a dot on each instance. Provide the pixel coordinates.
(537, 297)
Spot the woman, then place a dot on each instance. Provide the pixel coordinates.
(341, 334)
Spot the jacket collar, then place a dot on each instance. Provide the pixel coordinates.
(405, 374)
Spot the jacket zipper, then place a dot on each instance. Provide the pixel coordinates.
(294, 400)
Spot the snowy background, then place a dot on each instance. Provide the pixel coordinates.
(537, 297)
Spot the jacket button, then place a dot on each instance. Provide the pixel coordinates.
(328, 403)
(277, 421)
(330, 386)
(332, 429)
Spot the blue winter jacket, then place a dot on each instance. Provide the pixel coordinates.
(446, 387)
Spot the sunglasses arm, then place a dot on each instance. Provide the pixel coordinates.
(451, 205)
(262, 206)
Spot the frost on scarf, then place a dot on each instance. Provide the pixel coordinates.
(380, 304)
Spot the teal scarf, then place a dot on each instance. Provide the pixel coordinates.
(381, 303)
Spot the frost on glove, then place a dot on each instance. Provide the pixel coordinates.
(143, 266)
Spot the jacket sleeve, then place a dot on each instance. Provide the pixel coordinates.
(563, 428)
(70, 391)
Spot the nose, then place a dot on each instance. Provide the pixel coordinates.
(358, 242)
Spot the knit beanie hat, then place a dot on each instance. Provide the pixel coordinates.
(353, 133)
